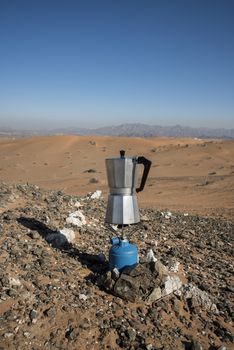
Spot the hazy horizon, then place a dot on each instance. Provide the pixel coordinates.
(70, 127)
(45, 125)
(93, 64)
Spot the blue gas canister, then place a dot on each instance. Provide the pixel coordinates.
(122, 254)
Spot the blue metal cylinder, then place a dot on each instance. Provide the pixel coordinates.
(122, 254)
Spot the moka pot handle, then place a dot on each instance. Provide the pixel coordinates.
(147, 164)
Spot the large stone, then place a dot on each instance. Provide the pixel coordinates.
(107, 281)
(127, 288)
(138, 270)
(131, 333)
(196, 345)
(155, 294)
(160, 269)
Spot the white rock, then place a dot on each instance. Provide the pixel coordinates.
(166, 215)
(113, 227)
(171, 284)
(185, 214)
(27, 334)
(8, 335)
(77, 204)
(116, 273)
(83, 297)
(96, 195)
(14, 281)
(144, 218)
(77, 214)
(69, 234)
(150, 256)
(77, 218)
(174, 266)
(178, 292)
(203, 299)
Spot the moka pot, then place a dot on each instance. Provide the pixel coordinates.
(122, 176)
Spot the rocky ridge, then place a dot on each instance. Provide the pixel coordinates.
(54, 250)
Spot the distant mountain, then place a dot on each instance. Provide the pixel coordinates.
(144, 130)
(138, 130)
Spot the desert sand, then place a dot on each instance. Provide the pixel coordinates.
(187, 175)
(55, 288)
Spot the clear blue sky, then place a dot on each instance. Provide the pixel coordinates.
(95, 63)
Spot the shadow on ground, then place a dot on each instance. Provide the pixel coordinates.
(91, 261)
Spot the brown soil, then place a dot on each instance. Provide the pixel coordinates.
(188, 175)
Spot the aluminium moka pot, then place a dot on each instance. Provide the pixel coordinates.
(122, 176)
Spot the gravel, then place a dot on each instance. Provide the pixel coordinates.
(51, 296)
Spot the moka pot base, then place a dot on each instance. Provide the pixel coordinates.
(122, 210)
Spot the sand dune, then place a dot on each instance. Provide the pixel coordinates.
(187, 174)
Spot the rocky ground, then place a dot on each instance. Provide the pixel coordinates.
(52, 258)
